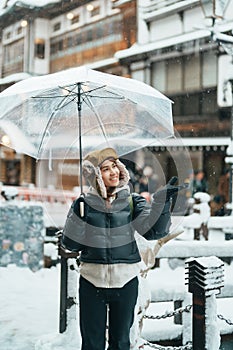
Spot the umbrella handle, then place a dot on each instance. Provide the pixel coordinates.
(81, 205)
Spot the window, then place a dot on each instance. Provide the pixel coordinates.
(12, 172)
(177, 105)
(191, 104)
(158, 78)
(75, 19)
(78, 39)
(53, 48)
(209, 102)
(200, 103)
(69, 41)
(190, 81)
(57, 26)
(40, 48)
(174, 75)
(95, 11)
(8, 35)
(209, 74)
(13, 52)
(189, 73)
(91, 36)
(192, 72)
(19, 30)
(60, 45)
(99, 32)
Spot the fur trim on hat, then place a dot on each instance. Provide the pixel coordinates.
(99, 156)
(124, 174)
(94, 177)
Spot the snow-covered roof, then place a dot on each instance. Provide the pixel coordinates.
(6, 5)
(155, 10)
(13, 78)
(138, 49)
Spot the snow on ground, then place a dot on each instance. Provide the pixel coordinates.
(29, 307)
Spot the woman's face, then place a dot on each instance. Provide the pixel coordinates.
(110, 173)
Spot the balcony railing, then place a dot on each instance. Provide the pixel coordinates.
(159, 7)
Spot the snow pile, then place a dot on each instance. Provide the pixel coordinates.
(56, 341)
(29, 304)
(202, 207)
(213, 339)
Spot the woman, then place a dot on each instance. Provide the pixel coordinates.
(110, 260)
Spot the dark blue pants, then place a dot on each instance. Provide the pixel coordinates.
(99, 304)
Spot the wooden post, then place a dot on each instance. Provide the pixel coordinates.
(66, 301)
(63, 295)
(205, 278)
(198, 326)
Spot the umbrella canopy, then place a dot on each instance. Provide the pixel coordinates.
(66, 114)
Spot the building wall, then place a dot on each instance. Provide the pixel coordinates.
(179, 58)
(90, 39)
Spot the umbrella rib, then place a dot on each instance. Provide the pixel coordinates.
(108, 97)
(86, 98)
(83, 92)
(94, 89)
(89, 92)
(63, 104)
(59, 106)
(86, 93)
(39, 97)
(91, 106)
(44, 132)
(116, 96)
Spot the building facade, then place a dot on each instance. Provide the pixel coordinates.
(176, 53)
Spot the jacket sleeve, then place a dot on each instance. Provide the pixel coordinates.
(151, 220)
(73, 235)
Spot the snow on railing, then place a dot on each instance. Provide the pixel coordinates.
(43, 194)
(165, 6)
(160, 4)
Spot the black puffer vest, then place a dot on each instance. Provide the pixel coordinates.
(106, 235)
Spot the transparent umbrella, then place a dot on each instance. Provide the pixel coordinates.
(66, 114)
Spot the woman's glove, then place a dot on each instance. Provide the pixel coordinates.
(168, 191)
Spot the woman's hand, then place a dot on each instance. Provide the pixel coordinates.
(168, 191)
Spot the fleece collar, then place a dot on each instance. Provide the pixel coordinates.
(94, 177)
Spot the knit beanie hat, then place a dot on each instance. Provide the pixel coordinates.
(91, 169)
